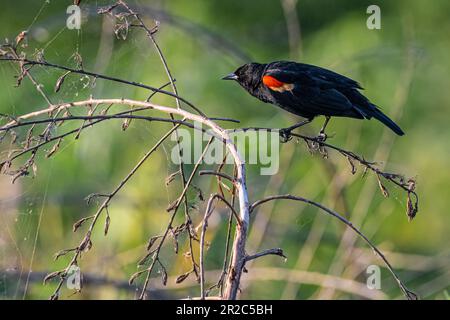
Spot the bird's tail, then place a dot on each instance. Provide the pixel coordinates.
(377, 114)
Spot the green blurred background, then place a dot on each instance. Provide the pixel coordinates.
(404, 68)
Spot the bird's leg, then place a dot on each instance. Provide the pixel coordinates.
(322, 135)
(285, 133)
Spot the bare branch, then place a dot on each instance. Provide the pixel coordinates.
(316, 143)
(215, 173)
(208, 213)
(274, 251)
(408, 294)
(86, 242)
(100, 76)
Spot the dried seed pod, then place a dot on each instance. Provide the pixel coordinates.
(182, 277)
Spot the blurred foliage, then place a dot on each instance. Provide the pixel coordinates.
(404, 68)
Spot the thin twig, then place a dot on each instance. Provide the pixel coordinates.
(156, 252)
(273, 251)
(408, 294)
(317, 143)
(101, 76)
(86, 242)
(208, 213)
(215, 173)
(150, 36)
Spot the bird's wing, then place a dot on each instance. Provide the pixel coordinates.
(328, 77)
(292, 72)
(328, 102)
(320, 90)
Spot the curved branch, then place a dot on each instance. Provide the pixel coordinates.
(408, 294)
(216, 173)
(233, 278)
(316, 143)
(273, 251)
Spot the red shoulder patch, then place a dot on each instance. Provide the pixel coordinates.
(276, 85)
(270, 81)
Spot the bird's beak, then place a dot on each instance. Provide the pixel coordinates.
(231, 76)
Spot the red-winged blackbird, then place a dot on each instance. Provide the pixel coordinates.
(308, 91)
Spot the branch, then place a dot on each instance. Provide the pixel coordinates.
(274, 251)
(408, 294)
(101, 76)
(317, 144)
(208, 213)
(86, 243)
(408, 186)
(215, 173)
(216, 132)
(149, 33)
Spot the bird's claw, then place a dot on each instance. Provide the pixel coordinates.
(285, 135)
(322, 137)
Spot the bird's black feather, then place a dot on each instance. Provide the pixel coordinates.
(311, 91)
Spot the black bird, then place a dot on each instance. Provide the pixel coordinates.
(308, 91)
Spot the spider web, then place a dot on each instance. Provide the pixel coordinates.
(24, 259)
(22, 207)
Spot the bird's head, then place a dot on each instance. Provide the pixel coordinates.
(248, 75)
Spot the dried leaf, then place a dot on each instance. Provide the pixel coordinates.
(107, 222)
(163, 275)
(383, 189)
(86, 244)
(121, 30)
(182, 277)
(20, 37)
(352, 165)
(13, 136)
(4, 166)
(175, 242)
(125, 124)
(22, 172)
(34, 168)
(29, 137)
(52, 275)
(171, 177)
(366, 169)
(143, 260)
(54, 149)
(3, 53)
(92, 196)
(63, 253)
(411, 206)
(60, 81)
(135, 276)
(155, 29)
(152, 241)
(78, 60)
(67, 114)
(78, 224)
(105, 111)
